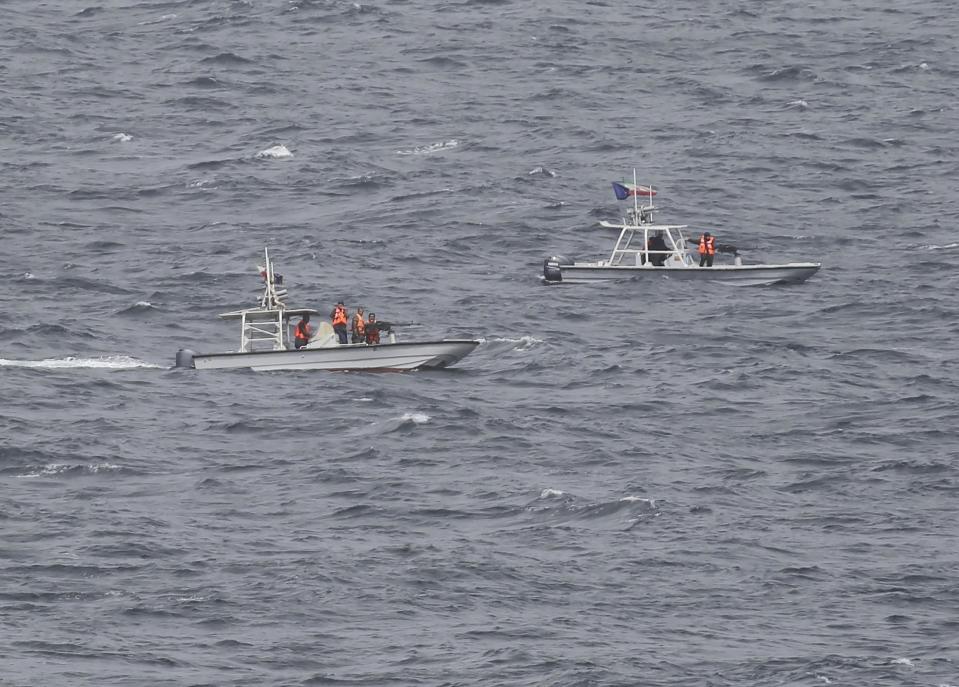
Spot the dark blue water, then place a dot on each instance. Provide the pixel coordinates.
(651, 483)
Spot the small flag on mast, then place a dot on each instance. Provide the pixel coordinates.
(624, 190)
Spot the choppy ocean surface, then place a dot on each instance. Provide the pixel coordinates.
(626, 484)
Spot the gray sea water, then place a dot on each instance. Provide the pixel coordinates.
(640, 483)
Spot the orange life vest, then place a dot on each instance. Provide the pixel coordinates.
(359, 326)
(707, 245)
(302, 331)
(339, 316)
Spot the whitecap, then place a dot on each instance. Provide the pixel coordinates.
(935, 247)
(112, 362)
(825, 679)
(199, 183)
(28, 275)
(122, 137)
(51, 469)
(431, 148)
(280, 152)
(102, 467)
(925, 67)
(903, 662)
(550, 493)
(802, 104)
(58, 468)
(543, 171)
(415, 418)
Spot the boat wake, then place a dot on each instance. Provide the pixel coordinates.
(109, 362)
(523, 343)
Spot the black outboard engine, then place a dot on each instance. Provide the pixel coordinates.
(184, 358)
(551, 268)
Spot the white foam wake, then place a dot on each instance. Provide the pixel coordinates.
(523, 343)
(112, 362)
(279, 152)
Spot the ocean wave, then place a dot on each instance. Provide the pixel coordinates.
(52, 469)
(431, 148)
(225, 58)
(554, 506)
(788, 74)
(161, 18)
(205, 184)
(138, 308)
(933, 246)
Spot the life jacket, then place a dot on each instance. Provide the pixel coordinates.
(359, 326)
(339, 316)
(301, 331)
(707, 246)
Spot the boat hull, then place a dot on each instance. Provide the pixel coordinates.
(386, 357)
(737, 275)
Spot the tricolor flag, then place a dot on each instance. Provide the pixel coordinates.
(262, 271)
(624, 190)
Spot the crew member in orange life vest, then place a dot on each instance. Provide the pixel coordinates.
(338, 317)
(358, 327)
(302, 332)
(707, 249)
(372, 330)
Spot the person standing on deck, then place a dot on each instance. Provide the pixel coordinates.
(707, 249)
(338, 318)
(372, 330)
(358, 327)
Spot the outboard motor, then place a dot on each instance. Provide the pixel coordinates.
(551, 268)
(184, 358)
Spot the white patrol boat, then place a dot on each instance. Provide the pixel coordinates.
(645, 248)
(266, 342)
